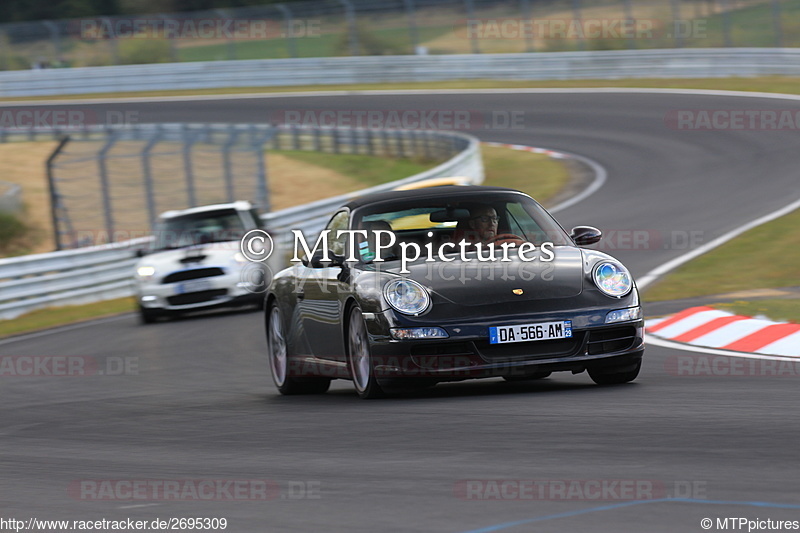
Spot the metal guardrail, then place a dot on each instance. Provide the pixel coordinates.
(662, 63)
(73, 276)
(104, 272)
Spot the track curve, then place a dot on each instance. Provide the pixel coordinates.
(202, 406)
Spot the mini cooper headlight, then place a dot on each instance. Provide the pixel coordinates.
(145, 271)
(613, 279)
(407, 296)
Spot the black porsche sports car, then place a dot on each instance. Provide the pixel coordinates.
(411, 288)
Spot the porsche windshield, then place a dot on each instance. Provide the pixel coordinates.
(484, 219)
(198, 228)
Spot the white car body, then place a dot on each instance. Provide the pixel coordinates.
(197, 264)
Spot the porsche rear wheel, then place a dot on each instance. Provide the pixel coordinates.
(279, 361)
(359, 359)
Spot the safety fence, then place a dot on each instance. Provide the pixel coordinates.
(396, 27)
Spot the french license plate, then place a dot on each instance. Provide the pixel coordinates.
(540, 331)
(195, 285)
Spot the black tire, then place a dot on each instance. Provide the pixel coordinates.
(359, 358)
(529, 377)
(603, 376)
(147, 316)
(279, 360)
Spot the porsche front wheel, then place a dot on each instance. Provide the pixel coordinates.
(359, 359)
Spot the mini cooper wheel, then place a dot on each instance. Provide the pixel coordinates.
(615, 376)
(279, 361)
(147, 316)
(359, 359)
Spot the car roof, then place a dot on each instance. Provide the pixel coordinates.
(461, 191)
(239, 206)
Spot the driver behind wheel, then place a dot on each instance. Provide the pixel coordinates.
(483, 221)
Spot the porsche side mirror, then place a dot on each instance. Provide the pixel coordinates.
(585, 235)
(317, 260)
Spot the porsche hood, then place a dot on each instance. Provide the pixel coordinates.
(475, 283)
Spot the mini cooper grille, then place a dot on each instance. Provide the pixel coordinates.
(196, 297)
(195, 273)
(611, 340)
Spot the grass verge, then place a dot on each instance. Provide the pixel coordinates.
(762, 258)
(13, 235)
(59, 316)
(536, 174)
(364, 170)
(782, 310)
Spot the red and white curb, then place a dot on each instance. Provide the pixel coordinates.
(521, 147)
(705, 326)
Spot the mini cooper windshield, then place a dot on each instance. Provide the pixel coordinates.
(198, 228)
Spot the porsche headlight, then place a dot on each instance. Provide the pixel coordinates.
(145, 271)
(613, 279)
(407, 296)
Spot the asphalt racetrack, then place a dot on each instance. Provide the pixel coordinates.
(658, 455)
